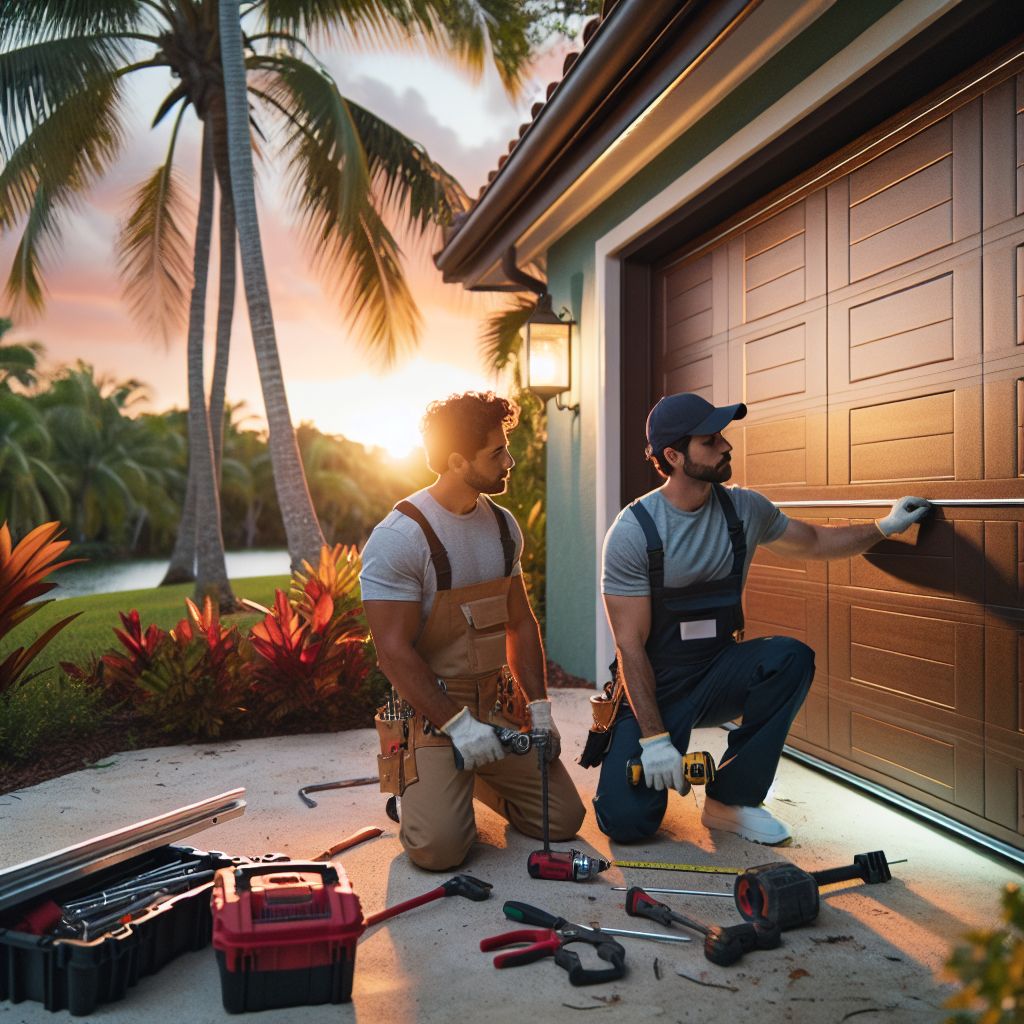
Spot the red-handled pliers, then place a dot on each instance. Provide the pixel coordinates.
(542, 942)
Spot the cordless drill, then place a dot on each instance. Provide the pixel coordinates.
(698, 769)
(558, 865)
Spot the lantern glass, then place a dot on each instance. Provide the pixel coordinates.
(548, 358)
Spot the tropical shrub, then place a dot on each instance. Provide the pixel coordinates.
(991, 969)
(198, 677)
(311, 650)
(23, 571)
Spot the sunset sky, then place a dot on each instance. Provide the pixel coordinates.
(331, 380)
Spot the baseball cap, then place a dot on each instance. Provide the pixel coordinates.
(686, 414)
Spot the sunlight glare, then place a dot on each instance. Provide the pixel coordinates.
(380, 410)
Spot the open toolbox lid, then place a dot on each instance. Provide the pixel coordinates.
(23, 881)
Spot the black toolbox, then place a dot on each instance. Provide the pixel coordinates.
(78, 974)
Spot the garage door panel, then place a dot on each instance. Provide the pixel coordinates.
(925, 747)
(1004, 778)
(773, 608)
(908, 208)
(907, 437)
(779, 263)
(870, 646)
(921, 326)
(689, 303)
(1019, 82)
(1004, 717)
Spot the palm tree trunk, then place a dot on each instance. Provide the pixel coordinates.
(211, 572)
(302, 529)
(182, 567)
(227, 287)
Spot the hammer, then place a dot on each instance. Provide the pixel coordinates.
(461, 885)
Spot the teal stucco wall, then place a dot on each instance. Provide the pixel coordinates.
(572, 550)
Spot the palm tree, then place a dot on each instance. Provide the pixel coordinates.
(63, 66)
(17, 362)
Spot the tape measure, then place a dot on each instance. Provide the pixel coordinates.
(657, 865)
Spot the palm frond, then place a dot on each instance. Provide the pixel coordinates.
(501, 334)
(36, 79)
(327, 158)
(154, 252)
(404, 176)
(50, 170)
(363, 268)
(30, 20)
(363, 23)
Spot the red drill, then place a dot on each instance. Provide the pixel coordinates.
(558, 865)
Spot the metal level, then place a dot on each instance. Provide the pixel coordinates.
(888, 503)
(23, 881)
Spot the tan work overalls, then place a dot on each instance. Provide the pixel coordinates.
(463, 642)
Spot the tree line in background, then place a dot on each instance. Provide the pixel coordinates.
(75, 448)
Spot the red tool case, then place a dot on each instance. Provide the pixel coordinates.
(285, 934)
(79, 975)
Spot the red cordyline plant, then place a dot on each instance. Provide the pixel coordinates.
(23, 571)
(119, 673)
(310, 651)
(198, 676)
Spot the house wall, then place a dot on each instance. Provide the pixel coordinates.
(573, 459)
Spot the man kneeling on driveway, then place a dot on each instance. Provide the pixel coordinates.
(675, 561)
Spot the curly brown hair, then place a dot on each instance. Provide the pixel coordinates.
(461, 423)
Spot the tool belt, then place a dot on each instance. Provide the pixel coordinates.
(604, 707)
(496, 698)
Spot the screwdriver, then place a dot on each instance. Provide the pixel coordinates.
(723, 945)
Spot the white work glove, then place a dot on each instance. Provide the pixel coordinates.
(904, 514)
(541, 721)
(663, 764)
(477, 743)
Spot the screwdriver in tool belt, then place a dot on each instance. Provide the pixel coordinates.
(723, 945)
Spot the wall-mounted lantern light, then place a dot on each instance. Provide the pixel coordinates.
(549, 354)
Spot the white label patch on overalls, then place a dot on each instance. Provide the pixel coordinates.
(703, 629)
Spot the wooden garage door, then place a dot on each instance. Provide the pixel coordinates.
(874, 328)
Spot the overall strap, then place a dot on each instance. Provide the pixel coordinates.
(655, 549)
(438, 555)
(508, 545)
(737, 538)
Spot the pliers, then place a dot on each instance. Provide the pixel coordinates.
(552, 940)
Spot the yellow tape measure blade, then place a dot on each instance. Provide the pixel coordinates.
(653, 865)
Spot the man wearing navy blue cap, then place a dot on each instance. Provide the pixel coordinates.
(675, 561)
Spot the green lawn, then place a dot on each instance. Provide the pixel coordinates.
(92, 632)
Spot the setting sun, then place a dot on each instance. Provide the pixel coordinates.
(382, 411)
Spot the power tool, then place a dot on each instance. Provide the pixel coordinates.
(786, 895)
(698, 769)
(723, 945)
(514, 741)
(558, 865)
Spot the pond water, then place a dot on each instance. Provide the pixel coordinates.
(140, 574)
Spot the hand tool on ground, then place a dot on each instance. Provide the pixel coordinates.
(460, 885)
(516, 911)
(370, 832)
(558, 865)
(557, 933)
(788, 896)
(343, 784)
(723, 944)
(698, 769)
(677, 892)
(514, 741)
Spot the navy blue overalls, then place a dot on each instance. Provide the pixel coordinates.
(705, 677)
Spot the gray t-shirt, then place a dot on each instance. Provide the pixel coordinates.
(396, 558)
(696, 543)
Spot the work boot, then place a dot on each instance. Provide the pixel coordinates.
(757, 824)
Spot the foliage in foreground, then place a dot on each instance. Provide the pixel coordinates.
(991, 969)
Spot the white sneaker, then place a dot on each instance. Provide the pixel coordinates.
(754, 823)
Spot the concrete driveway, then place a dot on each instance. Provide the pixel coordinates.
(876, 953)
